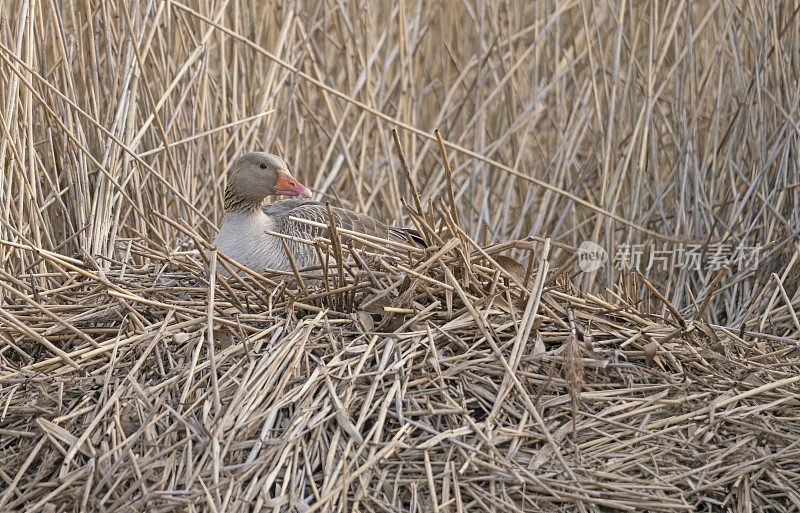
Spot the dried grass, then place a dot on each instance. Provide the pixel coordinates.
(481, 374)
(407, 382)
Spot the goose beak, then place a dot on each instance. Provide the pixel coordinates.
(288, 186)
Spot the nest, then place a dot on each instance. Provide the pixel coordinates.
(447, 378)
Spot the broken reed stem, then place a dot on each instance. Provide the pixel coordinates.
(447, 171)
(336, 243)
(293, 265)
(675, 314)
(406, 171)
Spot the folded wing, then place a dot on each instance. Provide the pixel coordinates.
(283, 211)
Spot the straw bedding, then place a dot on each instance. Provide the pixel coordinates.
(451, 378)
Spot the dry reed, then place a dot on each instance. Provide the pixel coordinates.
(484, 373)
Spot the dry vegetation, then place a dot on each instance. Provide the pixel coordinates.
(485, 373)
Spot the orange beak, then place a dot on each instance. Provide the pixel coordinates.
(288, 186)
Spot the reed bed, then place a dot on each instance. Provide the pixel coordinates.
(482, 372)
(450, 378)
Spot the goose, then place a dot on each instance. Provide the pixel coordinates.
(243, 234)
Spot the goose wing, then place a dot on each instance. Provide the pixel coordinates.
(304, 255)
(345, 218)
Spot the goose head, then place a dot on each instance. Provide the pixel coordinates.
(255, 176)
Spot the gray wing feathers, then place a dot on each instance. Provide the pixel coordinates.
(305, 255)
(344, 218)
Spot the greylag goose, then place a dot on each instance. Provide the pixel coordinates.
(243, 234)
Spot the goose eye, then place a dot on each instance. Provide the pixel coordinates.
(262, 166)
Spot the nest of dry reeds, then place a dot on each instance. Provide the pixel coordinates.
(446, 378)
